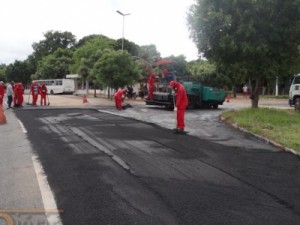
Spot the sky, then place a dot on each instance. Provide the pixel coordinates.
(159, 22)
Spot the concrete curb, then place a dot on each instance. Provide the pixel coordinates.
(269, 141)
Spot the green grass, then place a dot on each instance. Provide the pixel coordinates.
(274, 97)
(281, 126)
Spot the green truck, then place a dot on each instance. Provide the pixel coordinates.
(199, 96)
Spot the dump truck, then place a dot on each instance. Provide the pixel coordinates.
(199, 96)
(294, 93)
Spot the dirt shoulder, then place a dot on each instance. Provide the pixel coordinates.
(100, 100)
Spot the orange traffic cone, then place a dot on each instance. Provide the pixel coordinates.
(228, 98)
(2, 116)
(84, 99)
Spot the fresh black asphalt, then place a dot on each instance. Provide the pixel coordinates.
(107, 169)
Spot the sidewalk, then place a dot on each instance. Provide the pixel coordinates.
(77, 101)
(25, 195)
(16, 165)
(241, 101)
(100, 100)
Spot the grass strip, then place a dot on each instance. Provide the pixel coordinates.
(281, 126)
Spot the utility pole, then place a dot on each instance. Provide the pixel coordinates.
(123, 14)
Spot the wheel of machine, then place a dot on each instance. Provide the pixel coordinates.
(297, 105)
(215, 106)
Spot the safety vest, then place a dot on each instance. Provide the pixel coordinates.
(35, 89)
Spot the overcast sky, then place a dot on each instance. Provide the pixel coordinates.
(159, 22)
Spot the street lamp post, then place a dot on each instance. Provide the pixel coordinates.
(123, 14)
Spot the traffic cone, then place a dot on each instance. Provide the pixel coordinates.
(84, 99)
(2, 116)
(228, 98)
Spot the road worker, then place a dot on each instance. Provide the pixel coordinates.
(18, 91)
(43, 92)
(34, 90)
(151, 82)
(181, 104)
(1, 93)
(119, 97)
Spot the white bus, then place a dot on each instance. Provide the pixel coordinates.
(59, 86)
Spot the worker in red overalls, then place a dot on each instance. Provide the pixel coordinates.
(34, 90)
(180, 105)
(151, 82)
(15, 100)
(43, 92)
(165, 71)
(21, 94)
(119, 97)
(18, 91)
(1, 93)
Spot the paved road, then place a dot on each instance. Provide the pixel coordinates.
(109, 169)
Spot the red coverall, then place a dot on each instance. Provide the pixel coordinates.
(118, 98)
(1, 94)
(15, 88)
(34, 89)
(151, 82)
(43, 93)
(165, 71)
(181, 102)
(18, 99)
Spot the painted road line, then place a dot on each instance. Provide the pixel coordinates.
(23, 127)
(47, 195)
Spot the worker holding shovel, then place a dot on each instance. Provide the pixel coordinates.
(43, 93)
(34, 90)
(180, 105)
(119, 97)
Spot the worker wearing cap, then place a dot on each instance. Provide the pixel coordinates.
(118, 98)
(180, 104)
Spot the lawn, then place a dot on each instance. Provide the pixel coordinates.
(281, 126)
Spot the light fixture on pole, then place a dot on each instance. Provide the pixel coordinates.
(123, 14)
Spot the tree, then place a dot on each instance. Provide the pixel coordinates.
(88, 52)
(117, 69)
(19, 71)
(86, 39)
(55, 65)
(149, 53)
(129, 46)
(53, 41)
(2, 72)
(180, 66)
(257, 39)
(203, 71)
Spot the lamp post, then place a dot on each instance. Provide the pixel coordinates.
(123, 14)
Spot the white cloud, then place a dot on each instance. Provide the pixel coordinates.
(159, 22)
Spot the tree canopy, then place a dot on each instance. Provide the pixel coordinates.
(116, 69)
(59, 54)
(19, 71)
(255, 39)
(53, 41)
(56, 65)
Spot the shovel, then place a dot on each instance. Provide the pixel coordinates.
(48, 99)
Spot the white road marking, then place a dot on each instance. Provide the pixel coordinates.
(101, 147)
(47, 195)
(23, 127)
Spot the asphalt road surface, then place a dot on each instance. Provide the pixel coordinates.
(113, 170)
